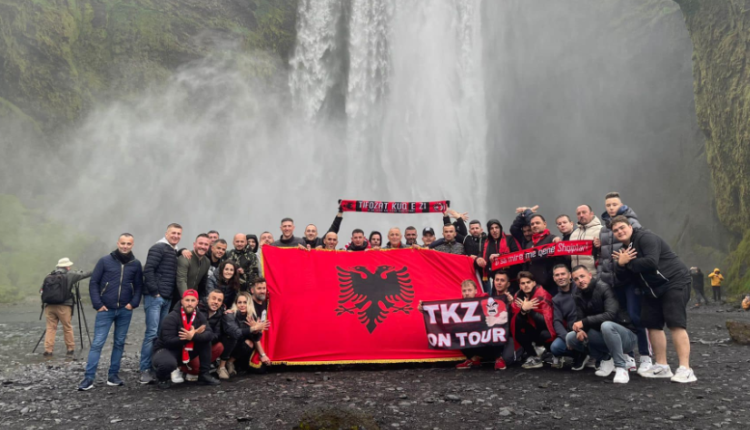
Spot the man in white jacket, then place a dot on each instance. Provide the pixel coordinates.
(589, 227)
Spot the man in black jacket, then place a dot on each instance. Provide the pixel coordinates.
(564, 316)
(287, 238)
(223, 327)
(184, 335)
(311, 238)
(160, 273)
(602, 325)
(665, 282)
(540, 267)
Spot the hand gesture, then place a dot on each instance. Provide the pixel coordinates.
(187, 334)
(624, 256)
(521, 210)
(534, 208)
(528, 305)
(200, 329)
(464, 216)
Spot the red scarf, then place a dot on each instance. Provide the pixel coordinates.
(536, 237)
(187, 325)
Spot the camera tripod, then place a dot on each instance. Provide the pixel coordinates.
(77, 304)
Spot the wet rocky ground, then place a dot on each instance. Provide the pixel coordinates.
(37, 393)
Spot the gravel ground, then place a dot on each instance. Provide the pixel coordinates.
(41, 393)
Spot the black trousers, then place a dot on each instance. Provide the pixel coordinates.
(526, 333)
(229, 345)
(699, 294)
(242, 354)
(717, 293)
(165, 361)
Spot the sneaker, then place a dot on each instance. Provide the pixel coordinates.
(684, 375)
(533, 362)
(146, 377)
(622, 376)
(630, 364)
(558, 362)
(114, 381)
(176, 376)
(207, 379)
(645, 364)
(163, 385)
(539, 350)
(190, 377)
(230, 368)
(580, 362)
(47, 354)
(468, 364)
(606, 367)
(222, 372)
(500, 364)
(657, 371)
(86, 384)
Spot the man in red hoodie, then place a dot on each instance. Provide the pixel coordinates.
(533, 319)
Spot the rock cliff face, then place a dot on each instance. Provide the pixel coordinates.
(58, 56)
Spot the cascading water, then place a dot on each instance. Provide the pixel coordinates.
(415, 113)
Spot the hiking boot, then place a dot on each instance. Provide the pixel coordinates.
(176, 377)
(468, 364)
(222, 372)
(579, 362)
(657, 371)
(86, 384)
(622, 376)
(163, 385)
(191, 378)
(146, 377)
(684, 375)
(606, 367)
(645, 364)
(533, 362)
(114, 381)
(207, 379)
(500, 364)
(230, 368)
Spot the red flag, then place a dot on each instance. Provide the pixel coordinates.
(329, 307)
(555, 249)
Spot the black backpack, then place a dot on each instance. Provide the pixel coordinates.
(55, 289)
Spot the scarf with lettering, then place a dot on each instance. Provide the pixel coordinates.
(187, 326)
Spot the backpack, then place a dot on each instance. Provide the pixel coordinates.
(55, 289)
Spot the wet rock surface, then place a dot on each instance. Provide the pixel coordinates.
(42, 394)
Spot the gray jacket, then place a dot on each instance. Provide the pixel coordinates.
(609, 245)
(565, 311)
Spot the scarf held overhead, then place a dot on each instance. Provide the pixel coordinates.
(559, 249)
(394, 207)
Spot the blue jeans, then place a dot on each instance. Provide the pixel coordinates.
(612, 340)
(156, 309)
(630, 299)
(121, 318)
(560, 349)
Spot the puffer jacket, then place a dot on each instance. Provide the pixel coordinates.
(597, 304)
(160, 270)
(586, 232)
(609, 245)
(222, 323)
(116, 282)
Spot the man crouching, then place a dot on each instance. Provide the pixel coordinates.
(179, 342)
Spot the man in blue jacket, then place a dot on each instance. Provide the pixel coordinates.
(160, 273)
(115, 290)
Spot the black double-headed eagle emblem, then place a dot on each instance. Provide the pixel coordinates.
(372, 296)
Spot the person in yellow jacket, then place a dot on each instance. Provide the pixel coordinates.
(716, 279)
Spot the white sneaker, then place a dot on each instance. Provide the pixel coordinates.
(191, 378)
(657, 371)
(558, 362)
(539, 350)
(606, 367)
(622, 376)
(684, 375)
(177, 377)
(630, 363)
(645, 364)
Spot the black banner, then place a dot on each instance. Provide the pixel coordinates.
(393, 207)
(465, 323)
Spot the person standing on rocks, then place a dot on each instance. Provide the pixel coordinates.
(665, 282)
(601, 327)
(160, 274)
(716, 277)
(184, 335)
(60, 283)
(697, 280)
(115, 290)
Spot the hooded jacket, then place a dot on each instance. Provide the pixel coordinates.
(117, 280)
(716, 278)
(542, 315)
(248, 261)
(609, 245)
(656, 268)
(493, 246)
(586, 232)
(597, 304)
(253, 249)
(160, 271)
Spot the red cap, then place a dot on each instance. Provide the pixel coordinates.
(190, 293)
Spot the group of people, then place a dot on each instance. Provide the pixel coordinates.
(698, 282)
(207, 306)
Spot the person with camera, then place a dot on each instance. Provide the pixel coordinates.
(58, 300)
(115, 290)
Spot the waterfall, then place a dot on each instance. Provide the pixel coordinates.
(414, 102)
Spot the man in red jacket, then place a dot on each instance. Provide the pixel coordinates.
(533, 317)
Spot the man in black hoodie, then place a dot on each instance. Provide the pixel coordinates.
(665, 282)
(184, 335)
(498, 243)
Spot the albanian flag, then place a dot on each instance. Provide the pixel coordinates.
(329, 307)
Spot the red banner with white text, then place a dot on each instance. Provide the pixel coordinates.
(329, 307)
(558, 249)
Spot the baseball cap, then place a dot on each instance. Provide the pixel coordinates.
(428, 230)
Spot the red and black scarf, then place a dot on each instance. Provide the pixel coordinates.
(538, 237)
(187, 326)
(393, 207)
